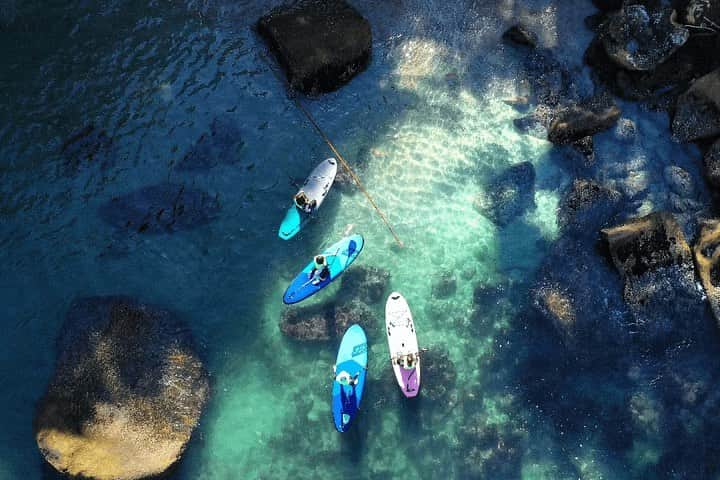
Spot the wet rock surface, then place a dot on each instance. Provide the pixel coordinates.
(588, 206)
(321, 44)
(520, 35)
(697, 115)
(655, 261)
(587, 118)
(638, 38)
(508, 195)
(327, 321)
(711, 162)
(127, 392)
(162, 208)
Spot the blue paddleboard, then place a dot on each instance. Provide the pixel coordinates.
(351, 363)
(339, 256)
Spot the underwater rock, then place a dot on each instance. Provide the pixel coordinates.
(127, 392)
(655, 261)
(444, 285)
(367, 284)
(587, 207)
(508, 195)
(520, 35)
(647, 243)
(438, 377)
(162, 208)
(326, 321)
(585, 147)
(221, 146)
(712, 164)
(88, 146)
(639, 40)
(493, 441)
(549, 82)
(593, 22)
(321, 44)
(625, 130)
(583, 119)
(707, 262)
(580, 296)
(697, 115)
(307, 324)
(679, 180)
(608, 5)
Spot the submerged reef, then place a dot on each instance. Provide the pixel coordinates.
(127, 392)
(222, 145)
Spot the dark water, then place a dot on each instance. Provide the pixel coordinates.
(123, 103)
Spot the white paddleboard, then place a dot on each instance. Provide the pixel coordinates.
(318, 184)
(402, 341)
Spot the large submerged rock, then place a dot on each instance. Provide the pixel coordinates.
(712, 164)
(656, 263)
(509, 194)
(587, 207)
(321, 44)
(88, 146)
(162, 208)
(697, 115)
(640, 39)
(326, 321)
(222, 145)
(127, 392)
(368, 284)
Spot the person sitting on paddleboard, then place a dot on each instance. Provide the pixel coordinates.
(320, 271)
(344, 378)
(304, 203)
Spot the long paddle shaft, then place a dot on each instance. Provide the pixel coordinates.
(345, 165)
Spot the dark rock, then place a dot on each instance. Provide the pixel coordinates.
(581, 298)
(326, 321)
(712, 165)
(308, 324)
(608, 5)
(549, 82)
(221, 146)
(445, 285)
(587, 118)
(127, 392)
(485, 295)
(679, 181)
(161, 208)
(587, 207)
(707, 263)
(520, 35)
(509, 194)
(656, 263)
(625, 130)
(88, 146)
(438, 377)
(639, 40)
(594, 21)
(647, 243)
(697, 115)
(321, 44)
(367, 284)
(585, 147)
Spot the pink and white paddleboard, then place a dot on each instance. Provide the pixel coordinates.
(404, 351)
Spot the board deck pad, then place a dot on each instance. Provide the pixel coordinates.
(351, 362)
(339, 257)
(402, 340)
(316, 187)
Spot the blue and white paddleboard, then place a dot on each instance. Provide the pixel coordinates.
(339, 257)
(316, 187)
(350, 372)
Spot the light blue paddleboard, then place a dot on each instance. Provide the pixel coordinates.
(352, 359)
(339, 257)
(316, 187)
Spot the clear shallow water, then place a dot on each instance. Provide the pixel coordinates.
(425, 125)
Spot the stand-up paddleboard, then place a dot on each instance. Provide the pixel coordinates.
(404, 351)
(316, 188)
(338, 256)
(350, 372)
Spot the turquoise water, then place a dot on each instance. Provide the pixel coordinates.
(425, 126)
